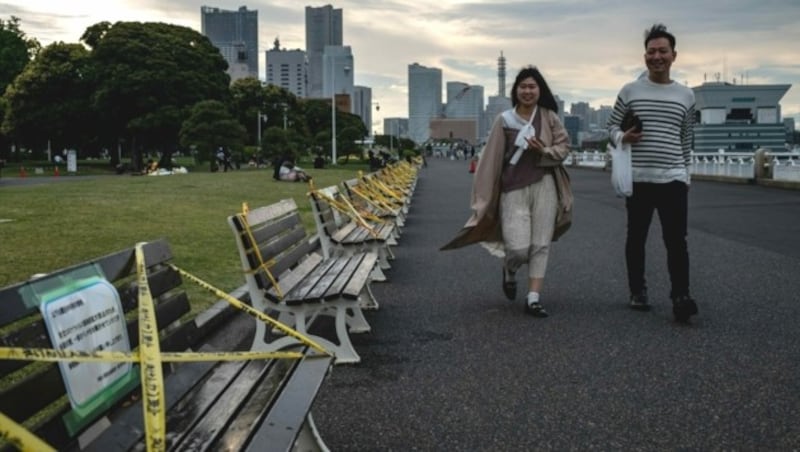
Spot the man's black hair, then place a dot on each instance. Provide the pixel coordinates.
(659, 31)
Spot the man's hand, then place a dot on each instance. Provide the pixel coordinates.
(631, 136)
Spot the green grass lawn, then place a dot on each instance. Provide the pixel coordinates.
(50, 226)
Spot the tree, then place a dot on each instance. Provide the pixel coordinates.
(209, 126)
(148, 77)
(49, 100)
(248, 98)
(15, 51)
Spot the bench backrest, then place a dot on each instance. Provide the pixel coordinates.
(327, 219)
(34, 386)
(272, 234)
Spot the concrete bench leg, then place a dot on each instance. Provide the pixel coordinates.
(309, 439)
(366, 299)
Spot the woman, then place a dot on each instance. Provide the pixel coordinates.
(521, 196)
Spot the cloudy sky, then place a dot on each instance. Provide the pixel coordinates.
(586, 49)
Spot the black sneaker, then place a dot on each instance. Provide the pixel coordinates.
(639, 302)
(509, 284)
(535, 309)
(683, 307)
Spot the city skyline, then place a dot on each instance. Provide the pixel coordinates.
(585, 50)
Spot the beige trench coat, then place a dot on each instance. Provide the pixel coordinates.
(484, 224)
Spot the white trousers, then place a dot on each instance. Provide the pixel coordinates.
(528, 217)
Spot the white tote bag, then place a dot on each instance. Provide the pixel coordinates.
(621, 172)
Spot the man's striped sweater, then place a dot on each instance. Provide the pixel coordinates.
(667, 113)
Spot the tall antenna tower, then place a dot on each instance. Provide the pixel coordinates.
(501, 75)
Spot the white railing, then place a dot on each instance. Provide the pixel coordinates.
(783, 165)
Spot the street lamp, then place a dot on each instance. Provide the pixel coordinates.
(333, 108)
(261, 117)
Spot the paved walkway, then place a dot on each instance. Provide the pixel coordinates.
(452, 365)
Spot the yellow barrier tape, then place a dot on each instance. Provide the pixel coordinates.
(51, 355)
(261, 264)
(375, 203)
(19, 437)
(150, 352)
(253, 312)
(150, 358)
(346, 208)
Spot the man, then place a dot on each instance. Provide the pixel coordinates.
(661, 145)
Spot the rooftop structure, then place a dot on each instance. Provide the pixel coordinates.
(738, 117)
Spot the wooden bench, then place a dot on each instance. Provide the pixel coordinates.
(366, 197)
(285, 273)
(342, 231)
(209, 405)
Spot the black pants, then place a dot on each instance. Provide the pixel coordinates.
(670, 200)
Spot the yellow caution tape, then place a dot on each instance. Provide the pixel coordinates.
(150, 351)
(253, 312)
(19, 437)
(261, 264)
(51, 355)
(150, 358)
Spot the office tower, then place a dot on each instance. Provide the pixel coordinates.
(323, 28)
(287, 69)
(362, 106)
(583, 111)
(424, 100)
(337, 71)
(235, 34)
(560, 104)
(466, 102)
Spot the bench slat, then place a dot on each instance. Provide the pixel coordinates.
(346, 276)
(288, 280)
(300, 293)
(325, 283)
(277, 431)
(203, 380)
(114, 266)
(358, 280)
(209, 423)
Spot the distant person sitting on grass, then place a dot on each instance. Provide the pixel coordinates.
(291, 173)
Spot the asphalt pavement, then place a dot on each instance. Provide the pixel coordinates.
(452, 365)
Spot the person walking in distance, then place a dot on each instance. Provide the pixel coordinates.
(521, 195)
(658, 117)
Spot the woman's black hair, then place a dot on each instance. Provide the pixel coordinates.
(546, 98)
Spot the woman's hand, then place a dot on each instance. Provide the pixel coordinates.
(535, 145)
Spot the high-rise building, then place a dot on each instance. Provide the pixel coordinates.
(287, 69)
(235, 34)
(583, 111)
(337, 71)
(424, 100)
(362, 106)
(323, 28)
(465, 102)
(396, 127)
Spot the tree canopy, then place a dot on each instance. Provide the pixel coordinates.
(149, 75)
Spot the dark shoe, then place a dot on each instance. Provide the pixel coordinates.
(535, 309)
(683, 307)
(509, 284)
(639, 302)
